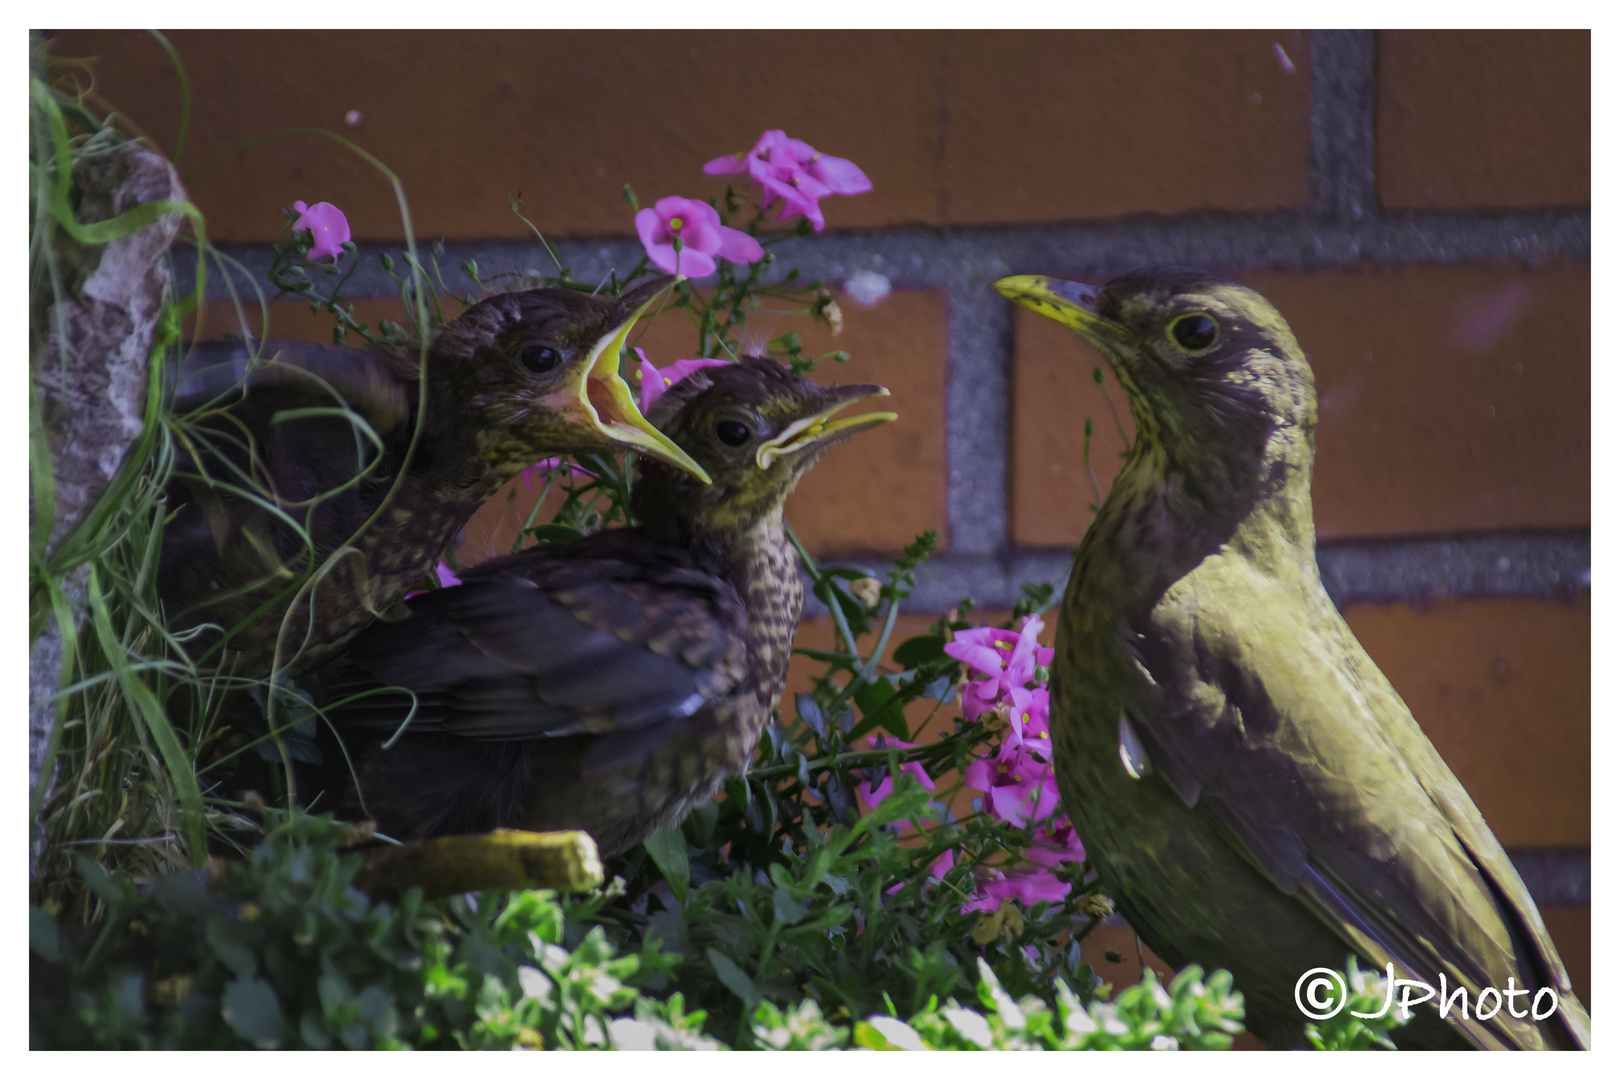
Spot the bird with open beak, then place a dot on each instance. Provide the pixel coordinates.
(612, 683)
(1253, 791)
(293, 525)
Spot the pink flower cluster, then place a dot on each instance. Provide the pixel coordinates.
(795, 172)
(685, 236)
(1017, 779)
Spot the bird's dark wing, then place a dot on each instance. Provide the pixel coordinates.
(551, 644)
(219, 372)
(1267, 714)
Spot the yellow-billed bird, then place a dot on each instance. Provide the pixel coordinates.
(1253, 791)
(612, 683)
(277, 483)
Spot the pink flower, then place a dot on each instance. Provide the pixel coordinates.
(1020, 791)
(1027, 731)
(328, 227)
(654, 381)
(870, 795)
(1056, 842)
(1029, 888)
(1008, 659)
(553, 465)
(795, 172)
(445, 575)
(697, 226)
(942, 865)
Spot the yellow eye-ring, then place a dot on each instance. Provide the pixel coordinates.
(1195, 333)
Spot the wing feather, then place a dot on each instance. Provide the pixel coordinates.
(1271, 718)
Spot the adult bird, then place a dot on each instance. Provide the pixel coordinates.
(1250, 786)
(293, 525)
(611, 683)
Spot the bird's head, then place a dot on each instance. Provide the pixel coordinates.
(538, 372)
(1208, 363)
(757, 428)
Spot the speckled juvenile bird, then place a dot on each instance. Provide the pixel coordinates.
(516, 378)
(1255, 794)
(612, 683)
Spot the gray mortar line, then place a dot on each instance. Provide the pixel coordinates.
(972, 258)
(1412, 570)
(1558, 876)
(1344, 102)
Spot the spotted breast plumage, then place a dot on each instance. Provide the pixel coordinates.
(611, 683)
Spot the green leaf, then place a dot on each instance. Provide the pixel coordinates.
(917, 651)
(555, 534)
(43, 937)
(221, 936)
(811, 714)
(667, 847)
(735, 978)
(881, 707)
(788, 909)
(183, 894)
(98, 881)
(251, 1008)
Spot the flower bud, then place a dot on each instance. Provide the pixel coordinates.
(867, 590)
(1096, 906)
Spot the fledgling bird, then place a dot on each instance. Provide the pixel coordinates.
(1252, 789)
(517, 377)
(612, 683)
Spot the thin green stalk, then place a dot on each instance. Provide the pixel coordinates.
(149, 711)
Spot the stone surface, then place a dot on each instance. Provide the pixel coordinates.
(92, 381)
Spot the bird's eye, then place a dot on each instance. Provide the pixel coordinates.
(541, 358)
(732, 433)
(1195, 332)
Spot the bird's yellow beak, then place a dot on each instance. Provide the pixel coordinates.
(608, 403)
(820, 430)
(1072, 303)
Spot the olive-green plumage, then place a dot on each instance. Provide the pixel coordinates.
(1253, 791)
(516, 378)
(612, 683)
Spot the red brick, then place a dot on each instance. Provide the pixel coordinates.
(1450, 398)
(1054, 394)
(1571, 930)
(566, 117)
(1084, 124)
(1502, 687)
(1484, 118)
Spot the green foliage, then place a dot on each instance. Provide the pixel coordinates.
(282, 952)
(1346, 1031)
(1189, 1015)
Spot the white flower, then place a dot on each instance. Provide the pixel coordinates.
(897, 1032)
(866, 287)
(969, 1024)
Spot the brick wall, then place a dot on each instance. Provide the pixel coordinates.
(1416, 203)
